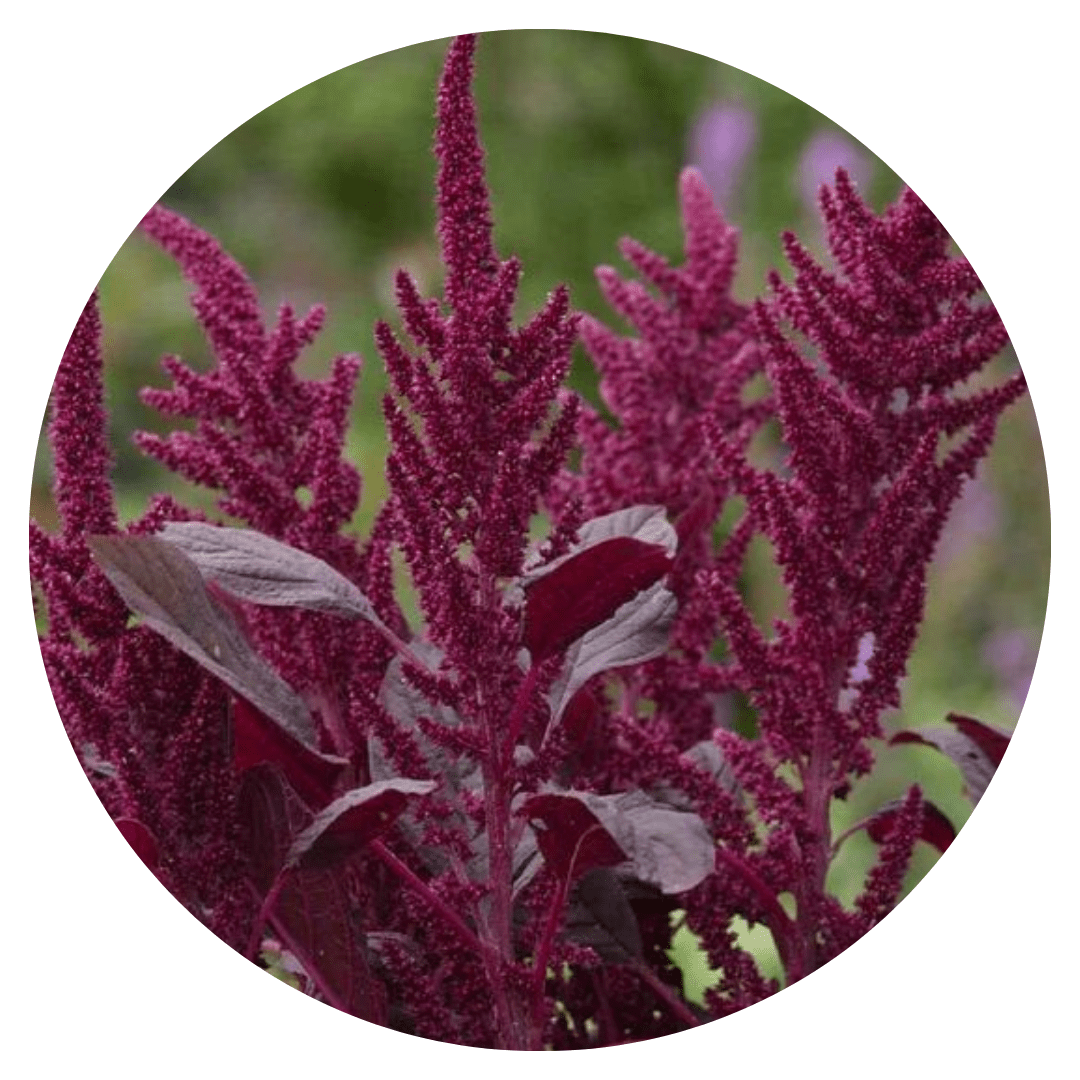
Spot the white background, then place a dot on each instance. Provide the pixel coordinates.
(107, 103)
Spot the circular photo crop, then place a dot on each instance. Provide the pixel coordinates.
(579, 561)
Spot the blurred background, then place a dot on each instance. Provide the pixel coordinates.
(326, 193)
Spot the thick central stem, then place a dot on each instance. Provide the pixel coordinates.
(817, 796)
(512, 1023)
(511, 1011)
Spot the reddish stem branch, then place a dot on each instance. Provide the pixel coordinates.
(423, 890)
(265, 911)
(543, 952)
(665, 993)
(783, 929)
(518, 711)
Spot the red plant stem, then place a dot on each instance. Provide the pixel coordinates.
(512, 1031)
(519, 710)
(850, 831)
(665, 993)
(543, 953)
(421, 888)
(400, 647)
(783, 929)
(817, 792)
(265, 911)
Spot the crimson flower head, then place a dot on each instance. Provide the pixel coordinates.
(479, 424)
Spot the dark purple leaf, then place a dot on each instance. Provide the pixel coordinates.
(163, 586)
(992, 741)
(619, 559)
(637, 632)
(587, 590)
(571, 837)
(602, 918)
(584, 726)
(582, 712)
(257, 740)
(352, 821)
(314, 915)
(646, 523)
(141, 839)
(256, 568)
(668, 848)
(937, 829)
(271, 814)
(977, 748)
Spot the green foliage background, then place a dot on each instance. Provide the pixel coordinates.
(327, 192)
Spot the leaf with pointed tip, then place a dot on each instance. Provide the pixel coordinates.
(671, 849)
(254, 567)
(570, 836)
(164, 587)
(352, 821)
(937, 829)
(602, 918)
(977, 749)
(637, 632)
(992, 741)
(668, 848)
(587, 590)
(257, 739)
(645, 523)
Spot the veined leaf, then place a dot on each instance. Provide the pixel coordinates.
(668, 848)
(586, 590)
(352, 821)
(637, 632)
(314, 914)
(571, 837)
(165, 588)
(977, 748)
(646, 523)
(602, 918)
(261, 570)
(256, 739)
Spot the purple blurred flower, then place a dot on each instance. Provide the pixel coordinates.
(974, 517)
(823, 155)
(720, 143)
(1012, 653)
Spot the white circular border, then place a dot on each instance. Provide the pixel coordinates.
(107, 104)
